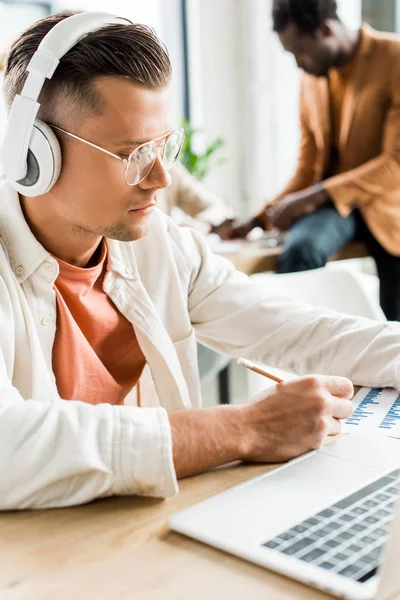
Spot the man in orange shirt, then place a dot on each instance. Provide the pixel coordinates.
(347, 182)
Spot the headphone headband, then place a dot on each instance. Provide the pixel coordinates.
(60, 39)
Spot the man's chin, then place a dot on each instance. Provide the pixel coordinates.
(127, 234)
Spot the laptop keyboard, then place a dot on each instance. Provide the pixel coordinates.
(348, 537)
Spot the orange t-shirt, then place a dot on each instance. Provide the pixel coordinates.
(96, 356)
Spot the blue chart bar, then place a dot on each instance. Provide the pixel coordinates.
(362, 411)
(392, 416)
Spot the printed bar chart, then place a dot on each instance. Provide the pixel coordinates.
(375, 409)
(393, 416)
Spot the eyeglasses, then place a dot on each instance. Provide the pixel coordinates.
(141, 161)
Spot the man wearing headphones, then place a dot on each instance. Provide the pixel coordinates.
(102, 296)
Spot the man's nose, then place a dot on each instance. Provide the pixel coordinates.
(159, 177)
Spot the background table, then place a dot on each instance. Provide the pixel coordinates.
(252, 259)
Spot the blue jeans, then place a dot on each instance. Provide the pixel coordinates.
(315, 237)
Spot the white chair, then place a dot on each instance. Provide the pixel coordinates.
(338, 289)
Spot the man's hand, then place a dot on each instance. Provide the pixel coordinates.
(293, 207)
(286, 421)
(235, 230)
(295, 417)
(224, 229)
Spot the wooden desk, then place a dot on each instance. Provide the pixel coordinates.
(252, 260)
(122, 548)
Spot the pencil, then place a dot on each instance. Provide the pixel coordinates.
(249, 365)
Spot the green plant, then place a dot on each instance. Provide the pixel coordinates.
(199, 164)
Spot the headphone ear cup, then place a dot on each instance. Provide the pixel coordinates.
(44, 162)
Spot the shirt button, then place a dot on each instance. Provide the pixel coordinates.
(45, 321)
(48, 266)
(129, 270)
(20, 270)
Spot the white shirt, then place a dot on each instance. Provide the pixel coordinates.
(169, 286)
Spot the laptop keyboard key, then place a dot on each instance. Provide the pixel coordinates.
(345, 535)
(313, 555)
(272, 544)
(299, 529)
(332, 543)
(286, 536)
(340, 557)
(382, 497)
(349, 571)
(354, 548)
(297, 546)
(327, 513)
(327, 565)
(367, 539)
(346, 518)
(359, 510)
(312, 521)
(357, 528)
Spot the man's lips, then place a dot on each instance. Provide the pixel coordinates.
(144, 207)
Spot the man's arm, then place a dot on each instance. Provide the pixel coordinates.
(64, 453)
(238, 317)
(61, 453)
(286, 421)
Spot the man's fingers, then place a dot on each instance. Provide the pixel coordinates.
(341, 387)
(342, 409)
(335, 427)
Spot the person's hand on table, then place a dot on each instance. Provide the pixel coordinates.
(236, 230)
(295, 417)
(293, 207)
(224, 229)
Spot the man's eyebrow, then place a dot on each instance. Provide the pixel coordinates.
(140, 142)
(131, 143)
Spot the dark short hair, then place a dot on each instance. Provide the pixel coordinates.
(131, 51)
(307, 15)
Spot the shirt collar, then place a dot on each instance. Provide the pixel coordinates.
(25, 253)
(367, 39)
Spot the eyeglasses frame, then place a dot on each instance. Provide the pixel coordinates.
(126, 161)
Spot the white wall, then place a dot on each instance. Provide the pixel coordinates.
(148, 11)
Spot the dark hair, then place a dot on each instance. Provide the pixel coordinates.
(130, 51)
(307, 15)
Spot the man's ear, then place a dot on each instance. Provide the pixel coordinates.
(325, 30)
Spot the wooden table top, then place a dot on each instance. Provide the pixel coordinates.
(122, 548)
(252, 259)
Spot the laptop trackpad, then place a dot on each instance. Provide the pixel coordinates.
(300, 490)
(374, 451)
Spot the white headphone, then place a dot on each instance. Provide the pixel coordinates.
(31, 153)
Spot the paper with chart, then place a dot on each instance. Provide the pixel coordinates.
(377, 410)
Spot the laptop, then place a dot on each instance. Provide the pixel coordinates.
(329, 519)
